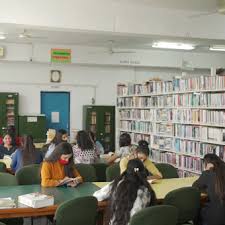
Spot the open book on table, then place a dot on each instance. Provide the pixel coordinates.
(66, 181)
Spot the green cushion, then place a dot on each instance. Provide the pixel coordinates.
(187, 201)
(79, 211)
(87, 171)
(167, 170)
(155, 215)
(29, 175)
(2, 223)
(7, 179)
(2, 167)
(112, 172)
(100, 170)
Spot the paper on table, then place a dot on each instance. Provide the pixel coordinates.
(7, 203)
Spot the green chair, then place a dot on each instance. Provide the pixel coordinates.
(100, 170)
(87, 171)
(29, 175)
(167, 170)
(187, 201)
(156, 215)
(79, 211)
(2, 223)
(112, 172)
(2, 167)
(7, 179)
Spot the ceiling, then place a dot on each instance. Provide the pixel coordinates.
(98, 39)
(193, 5)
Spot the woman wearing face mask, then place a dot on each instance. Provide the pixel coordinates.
(59, 166)
(212, 181)
(142, 153)
(7, 148)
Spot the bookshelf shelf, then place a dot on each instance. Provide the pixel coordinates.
(185, 118)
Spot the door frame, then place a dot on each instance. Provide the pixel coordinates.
(58, 92)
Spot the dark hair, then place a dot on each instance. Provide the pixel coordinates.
(63, 148)
(58, 137)
(28, 150)
(125, 140)
(219, 169)
(220, 71)
(84, 141)
(92, 136)
(143, 147)
(124, 191)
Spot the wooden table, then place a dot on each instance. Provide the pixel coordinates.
(62, 194)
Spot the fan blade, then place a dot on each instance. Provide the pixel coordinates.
(203, 14)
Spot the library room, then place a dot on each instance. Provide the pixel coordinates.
(112, 112)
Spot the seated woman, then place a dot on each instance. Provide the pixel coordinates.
(84, 151)
(142, 153)
(128, 194)
(59, 166)
(125, 148)
(57, 137)
(7, 148)
(212, 181)
(26, 155)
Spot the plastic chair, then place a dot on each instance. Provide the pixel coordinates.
(29, 175)
(100, 170)
(2, 167)
(87, 171)
(112, 172)
(7, 179)
(167, 170)
(187, 201)
(156, 215)
(78, 211)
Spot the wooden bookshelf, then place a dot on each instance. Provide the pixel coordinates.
(183, 119)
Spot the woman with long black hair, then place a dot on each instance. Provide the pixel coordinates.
(212, 181)
(128, 194)
(59, 167)
(26, 154)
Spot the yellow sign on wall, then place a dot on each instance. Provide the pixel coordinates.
(60, 55)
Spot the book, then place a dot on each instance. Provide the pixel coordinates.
(36, 200)
(7, 203)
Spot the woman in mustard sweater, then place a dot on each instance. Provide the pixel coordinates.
(59, 167)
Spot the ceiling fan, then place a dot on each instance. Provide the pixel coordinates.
(220, 10)
(110, 49)
(27, 35)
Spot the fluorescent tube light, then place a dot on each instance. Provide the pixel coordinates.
(173, 45)
(2, 37)
(217, 48)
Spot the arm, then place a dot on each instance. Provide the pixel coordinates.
(123, 164)
(103, 193)
(46, 176)
(202, 181)
(153, 170)
(14, 160)
(77, 175)
(112, 158)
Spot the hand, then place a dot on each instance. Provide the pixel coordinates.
(61, 181)
(209, 166)
(72, 184)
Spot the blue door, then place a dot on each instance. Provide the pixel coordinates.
(56, 107)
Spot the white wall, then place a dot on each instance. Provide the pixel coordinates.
(29, 79)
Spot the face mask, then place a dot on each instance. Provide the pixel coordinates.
(63, 162)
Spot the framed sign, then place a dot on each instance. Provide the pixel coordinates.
(60, 55)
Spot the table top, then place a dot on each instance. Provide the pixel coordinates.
(164, 186)
(61, 194)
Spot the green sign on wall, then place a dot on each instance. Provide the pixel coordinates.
(60, 55)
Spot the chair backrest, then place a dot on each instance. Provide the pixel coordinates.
(2, 223)
(167, 170)
(156, 215)
(7, 179)
(29, 175)
(100, 170)
(2, 167)
(78, 211)
(87, 171)
(187, 201)
(112, 172)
